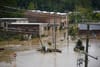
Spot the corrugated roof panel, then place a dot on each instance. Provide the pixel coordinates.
(92, 26)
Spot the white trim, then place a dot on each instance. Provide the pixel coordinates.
(28, 23)
(13, 19)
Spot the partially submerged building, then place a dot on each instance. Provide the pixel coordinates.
(94, 29)
(21, 25)
(37, 16)
(34, 23)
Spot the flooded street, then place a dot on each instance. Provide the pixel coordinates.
(68, 58)
(94, 50)
(38, 59)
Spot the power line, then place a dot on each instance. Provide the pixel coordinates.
(15, 8)
(9, 12)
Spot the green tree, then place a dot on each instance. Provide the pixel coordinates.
(31, 6)
(8, 8)
(96, 16)
(73, 31)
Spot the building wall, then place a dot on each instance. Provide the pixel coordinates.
(25, 29)
(46, 17)
(19, 25)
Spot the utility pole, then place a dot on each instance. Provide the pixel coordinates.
(87, 45)
(67, 20)
(55, 29)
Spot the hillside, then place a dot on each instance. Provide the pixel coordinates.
(46, 5)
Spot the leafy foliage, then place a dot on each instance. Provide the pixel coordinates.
(73, 30)
(53, 5)
(96, 16)
(31, 6)
(8, 8)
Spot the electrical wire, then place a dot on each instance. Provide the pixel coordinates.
(12, 8)
(9, 12)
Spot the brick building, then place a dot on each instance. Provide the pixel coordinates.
(37, 16)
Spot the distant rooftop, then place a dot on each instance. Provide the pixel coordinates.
(97, 11)
(38, 11)
(93, 26)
